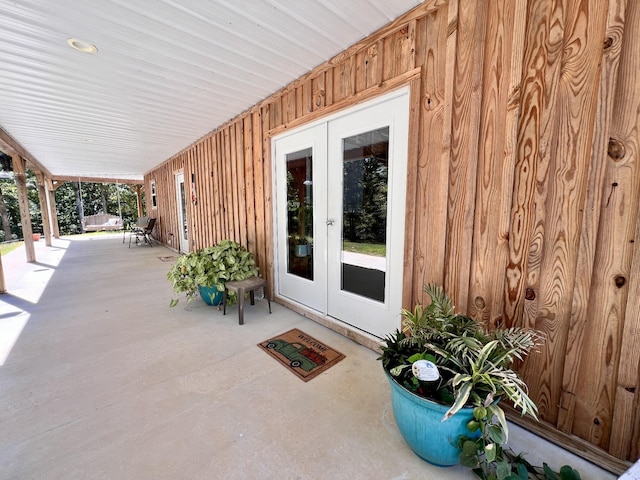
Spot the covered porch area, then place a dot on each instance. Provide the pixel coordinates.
(102, 379)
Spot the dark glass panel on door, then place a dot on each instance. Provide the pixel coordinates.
(300, 213)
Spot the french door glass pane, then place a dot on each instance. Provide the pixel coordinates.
(183, 208)
(300, 213)
(364, 218)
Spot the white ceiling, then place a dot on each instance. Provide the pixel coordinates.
(166, 72)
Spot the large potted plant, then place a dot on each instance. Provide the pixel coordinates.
(449, 376)
(206, 271)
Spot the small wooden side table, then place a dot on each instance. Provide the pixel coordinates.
(248, 285)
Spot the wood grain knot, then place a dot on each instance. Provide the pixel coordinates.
(479, 302)
(615, 149)
(529, 294)
(607, 43)
(597, 421)
(620, 281)
(630, 389)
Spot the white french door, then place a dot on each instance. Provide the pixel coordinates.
(301, 208)
(182, 213)
(340, 209)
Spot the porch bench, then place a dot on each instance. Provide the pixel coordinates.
(101, 221)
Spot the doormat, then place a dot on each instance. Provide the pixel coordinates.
(301, 354)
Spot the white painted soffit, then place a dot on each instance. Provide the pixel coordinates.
(166, 72)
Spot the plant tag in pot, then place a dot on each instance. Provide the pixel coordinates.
(425, 370)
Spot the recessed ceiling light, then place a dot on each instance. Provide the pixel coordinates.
(82, 46)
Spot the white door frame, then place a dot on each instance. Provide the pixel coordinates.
(397, 215)
(309, 292)
(181, 205)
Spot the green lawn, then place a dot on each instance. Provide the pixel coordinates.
(376, 249)
(9, 247)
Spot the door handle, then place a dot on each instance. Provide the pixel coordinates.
(331, 221)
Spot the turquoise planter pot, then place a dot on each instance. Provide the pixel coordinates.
(211, 296)
(420, 423)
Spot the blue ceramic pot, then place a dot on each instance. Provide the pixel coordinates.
(420, 423)
(210, 295)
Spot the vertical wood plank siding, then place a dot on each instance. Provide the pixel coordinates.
(524, 194)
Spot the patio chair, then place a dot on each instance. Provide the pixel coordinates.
(130, 227)
(143, 234)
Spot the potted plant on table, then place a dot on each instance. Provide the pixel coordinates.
(448, 375)
(301, 245)
(206, 271)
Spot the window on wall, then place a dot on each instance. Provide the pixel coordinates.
(154, 199)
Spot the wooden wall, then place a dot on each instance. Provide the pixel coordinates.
(523, 190)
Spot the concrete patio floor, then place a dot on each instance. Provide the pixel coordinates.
(106, 381)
